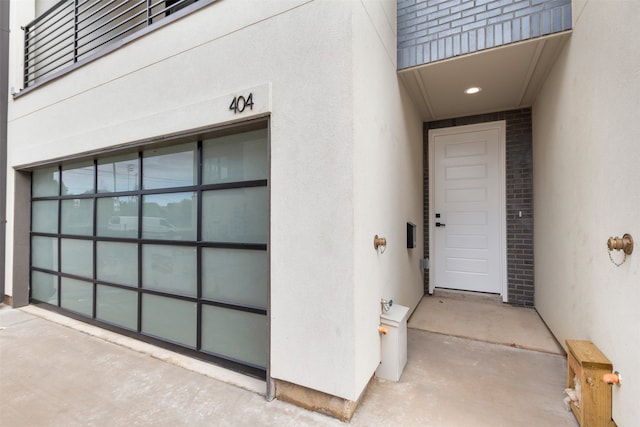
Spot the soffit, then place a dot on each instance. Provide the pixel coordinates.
(510, 77)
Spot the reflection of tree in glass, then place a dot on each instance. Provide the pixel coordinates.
(78, 180)
(48, 184)
(129, 207)
(180, 213)
(153, 209)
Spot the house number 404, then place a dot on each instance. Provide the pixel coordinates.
(240, 103)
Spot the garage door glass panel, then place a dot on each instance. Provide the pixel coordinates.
(170, 319)
(45, 182)
(44, 252)
(235, 334)
(232, 158)
(117, 263)
(235, 275)
(170, 167)
(77, 217)
(44, 216)
(44, 287)
(237, 215)
(117, 306)
(77, 257)
(77, 295)
(169, 268)
(167, 242)
(120, 173)
(117, 217)
(78, 178)
(170, 216)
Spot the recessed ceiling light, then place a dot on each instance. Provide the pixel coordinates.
(472, 90)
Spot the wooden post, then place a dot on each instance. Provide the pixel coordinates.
(585, 361)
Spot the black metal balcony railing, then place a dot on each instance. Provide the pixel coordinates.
(75, 29)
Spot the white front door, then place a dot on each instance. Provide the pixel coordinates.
(467, 224)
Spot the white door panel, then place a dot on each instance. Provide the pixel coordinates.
(467, 200)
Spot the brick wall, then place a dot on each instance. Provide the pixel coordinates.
(519, 187)
(431, 30)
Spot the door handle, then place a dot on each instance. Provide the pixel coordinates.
(439, 224)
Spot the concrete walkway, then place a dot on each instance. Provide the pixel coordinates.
(485, 318)
(57, 375)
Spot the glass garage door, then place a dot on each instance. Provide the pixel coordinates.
(168, 243)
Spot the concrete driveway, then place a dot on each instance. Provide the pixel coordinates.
(68, 374)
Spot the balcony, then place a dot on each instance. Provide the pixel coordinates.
(73, 32)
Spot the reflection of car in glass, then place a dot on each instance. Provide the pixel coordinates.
(123, 223)
(151, 226)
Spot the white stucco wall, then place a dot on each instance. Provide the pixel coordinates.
(328, 69)
(387, 180)
(586, 174)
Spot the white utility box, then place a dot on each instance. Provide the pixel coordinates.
(393, 344)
